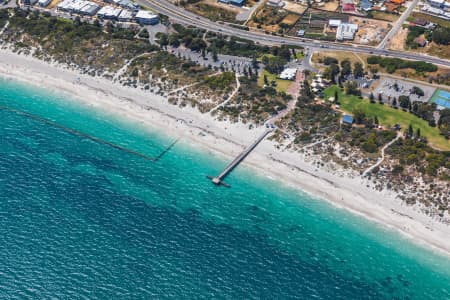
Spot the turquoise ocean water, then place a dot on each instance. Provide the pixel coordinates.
(81, 219)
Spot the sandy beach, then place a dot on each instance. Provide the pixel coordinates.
(339, 187)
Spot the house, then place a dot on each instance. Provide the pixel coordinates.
(346, 31)
(420, 22)
(348, 7)
(147, 17)
(347, 119)
(391, 7)
(399, 2)
(366, 5)
(421, 42)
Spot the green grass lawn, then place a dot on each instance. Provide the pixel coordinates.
(282, 85)
(298, 55)
(389, 116)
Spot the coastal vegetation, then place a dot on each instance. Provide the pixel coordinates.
(253, 103)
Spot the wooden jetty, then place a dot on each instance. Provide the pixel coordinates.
(218, 180)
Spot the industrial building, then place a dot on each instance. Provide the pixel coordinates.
(79, 6)
(233, 2)
(44, 3)
(146, 17)
(109, 12)
(127, 4)
(276, 3)
(125, 16)
(346, 31)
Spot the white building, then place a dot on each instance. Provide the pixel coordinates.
(275, 3)
(146, 17)
(346, 31)
(436, 3)
(44, 3)
(288, 74)
(447, 6)
(109, 12)
(333, 23)
(125, 16)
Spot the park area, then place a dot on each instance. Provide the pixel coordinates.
(389, 116)
(281, 85)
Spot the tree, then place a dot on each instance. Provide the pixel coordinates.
(371, 98)
(330, 60)
(266, 82)
(358, 115)
(404, 102)
(336, 96)
(351, 88)
(418, 91)
(394, 103)
(214, 55)
(254, 62)
(380, 98)
(375, 120)
(441, 35)
(274, 64)
(331, 72)
(358, 70)
(418, 133)
(346, 67)
(410, 131)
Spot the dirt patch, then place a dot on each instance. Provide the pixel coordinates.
(218, 4)
(384, 16)
(290, 19)
(214, 10)
(370, 32)
(398, 41)
(53, 4)
(318, 57)
(294, 7)
(330, 6)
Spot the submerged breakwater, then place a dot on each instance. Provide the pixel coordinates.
(79, 218)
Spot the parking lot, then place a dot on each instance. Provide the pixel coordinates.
(391, 88)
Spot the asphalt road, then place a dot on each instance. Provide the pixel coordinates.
(187, 18)
(398, 24)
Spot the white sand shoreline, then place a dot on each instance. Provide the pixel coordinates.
(228, 139)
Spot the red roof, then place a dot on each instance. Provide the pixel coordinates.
(348, 7)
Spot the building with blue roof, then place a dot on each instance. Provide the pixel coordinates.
(366, 5)
(347, 119)
(233, 2)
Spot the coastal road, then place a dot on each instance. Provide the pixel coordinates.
(182, 16)
(398, 24)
